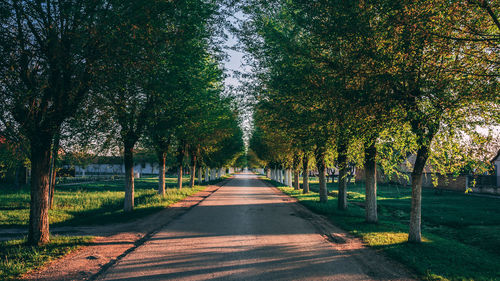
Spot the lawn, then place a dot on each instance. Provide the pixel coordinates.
(16, 258)
(91, 203)
(461, 232)
(76, 205)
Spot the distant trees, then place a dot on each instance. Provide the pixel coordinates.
(347, 72)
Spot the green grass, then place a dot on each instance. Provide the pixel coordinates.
(91, 203)
(17, 259)
(461, 233)
(75, 205)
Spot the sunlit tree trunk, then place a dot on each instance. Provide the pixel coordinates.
(289, 171)
(161, 172)
(371, 182)
(321, 166)
(179, 176)
(415, 234)
(193, 170)
(213, 174)
(342, 162)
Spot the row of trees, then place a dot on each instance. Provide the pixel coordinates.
(88, 75)
(371, 83)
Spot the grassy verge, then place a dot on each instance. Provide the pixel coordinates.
(17, 259)
(461, 233)
(91, 203)
(75, 205)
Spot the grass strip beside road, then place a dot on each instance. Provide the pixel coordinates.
(96, 203)
(16, 258)
(92, 203)
(461, 235)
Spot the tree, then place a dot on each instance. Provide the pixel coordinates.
(134, 43)
(49, 55)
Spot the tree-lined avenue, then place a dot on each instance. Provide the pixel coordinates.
(246, 231)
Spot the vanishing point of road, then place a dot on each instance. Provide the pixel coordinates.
(248, 231)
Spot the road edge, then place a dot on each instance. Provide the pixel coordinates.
(59, 270)
(375, 264)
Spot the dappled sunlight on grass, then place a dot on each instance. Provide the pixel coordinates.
(384, 238)
(461, 234)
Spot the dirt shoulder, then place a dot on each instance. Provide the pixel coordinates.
(113, 242)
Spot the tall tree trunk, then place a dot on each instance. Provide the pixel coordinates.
(321, 166)
(371, 182)
(161, 173)
(296, 171)
(193, 170)
(52, 184)
(53, 169)
(415, 234)
(179, 176)
(290, 182)
(180, 159)
(342, 161)
(296, 179)
(305, 174)
(38, 232)
(128, 160)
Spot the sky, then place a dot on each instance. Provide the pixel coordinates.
(235, 62)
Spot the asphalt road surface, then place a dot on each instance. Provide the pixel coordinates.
(244, 231)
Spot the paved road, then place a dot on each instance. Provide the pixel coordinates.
(244, 231)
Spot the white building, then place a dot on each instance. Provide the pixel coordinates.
(116, 169)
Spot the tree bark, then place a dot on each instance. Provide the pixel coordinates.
(305, 174)
(52, 184)
(128, 159)
(180, 159)
(296, 171)
(296, 179)
(290, 182)
(179, 176)
(415, 234)
(342, 161)
(321, 166)
(193, 170)
(53, 170)
(161, 173)
(38, 232)
(371, 182)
